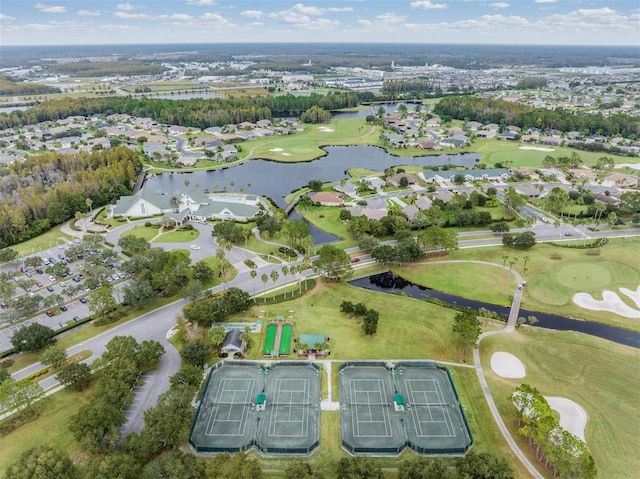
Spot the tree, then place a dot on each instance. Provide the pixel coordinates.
(253, 273)
(102, 302)
(116, 466)
(53, 356)
(216, 335)
(133, 244)
(175, 465)
(196, 353)
(466, 330)
(246, 337)
(483, 466)
(138, 293)
(368, 243)
(370, 324)
(333, 263)
(358, 468)
(75, 376)
(315, 185)
(33, 337)
(424, 468)
(43, 462)
(500, 227)
(202, 272)
(7, 254)
(301, 470)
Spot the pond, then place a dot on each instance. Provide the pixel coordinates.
(390, 283)
(276, 180)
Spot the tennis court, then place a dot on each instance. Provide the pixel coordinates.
(226, 418)
(290, 422)
(433, 418)
(368, 420)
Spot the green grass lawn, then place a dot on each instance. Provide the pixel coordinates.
(597, 374)
(145, 232)
(466, 280)
(425, 327)
(305, 146)
(178, 236)
(51, 428)
(42, 242)
(328, 219)
(551, 284)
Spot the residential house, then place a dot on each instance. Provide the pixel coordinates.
(327, 198)
(531, 191)
(395, 180)
(423, 202)
(369, 213)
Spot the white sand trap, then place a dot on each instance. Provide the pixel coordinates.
(326, 129)
(635, 166)
(573, 417)
(633, 295)
(275, 149)
(610, 302)
(286, 154)
(536, 148)
(506, 365)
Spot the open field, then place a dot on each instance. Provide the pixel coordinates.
(306, 146)
(145, 232)
(475, 281)
(551, 283)
(39, 243)
(593, 372)
(425, 328)
(51, 428)
(328, 219)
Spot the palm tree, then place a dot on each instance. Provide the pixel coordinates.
(265, 280)
(285, 272)
(253, 275)
(89, 202)
(274, 276)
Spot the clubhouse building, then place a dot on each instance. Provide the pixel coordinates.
(182, 206)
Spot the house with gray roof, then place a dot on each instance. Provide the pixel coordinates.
(483, 174)
(181, 206)
(232, 343)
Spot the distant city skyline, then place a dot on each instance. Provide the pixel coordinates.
(513, 22)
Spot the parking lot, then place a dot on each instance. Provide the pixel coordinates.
(64, 298)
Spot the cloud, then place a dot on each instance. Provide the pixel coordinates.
(201, 3)
(6, 18)
(178, 17)
(50, 8)
(390, 17)
(546, 1)
(427, 5)
(500, 5)
(89, 13)
(127, 7)
(252, 13)
(132, 16)
(214, 18)
(317, 11)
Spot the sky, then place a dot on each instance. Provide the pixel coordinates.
(510, 22)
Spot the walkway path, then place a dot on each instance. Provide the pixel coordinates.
(329, 404)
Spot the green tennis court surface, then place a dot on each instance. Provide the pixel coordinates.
(229, 420)
(270, 339)
(384, 408)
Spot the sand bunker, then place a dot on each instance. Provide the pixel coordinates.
(536, 148)
(635, 166)
(506, 365)
(633, 295)
(286, 154)
(610, 302)
(326, 129)
(275, 149)
(573, 417)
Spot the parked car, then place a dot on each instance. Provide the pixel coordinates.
(50, 289)
(355, 260)
(195, 246)
(63, 308)
(39, 271)
(49, 313)
(39, 284)
(76, 319)
(83, 300)
(63, 284)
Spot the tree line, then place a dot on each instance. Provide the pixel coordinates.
(489, 110)
(196, 113)
(45, 190)
(10, 87)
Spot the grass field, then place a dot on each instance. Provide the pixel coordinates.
(593, 372)
(144, 232)
(306, 146)
(466, 280)
(51, 428)
(550, 282)
(39, 243)
(178, 236)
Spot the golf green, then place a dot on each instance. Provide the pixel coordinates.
(583, 275)
(285, 339)
(270, 339)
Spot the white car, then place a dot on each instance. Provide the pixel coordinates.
(52, 279)
(195, 246)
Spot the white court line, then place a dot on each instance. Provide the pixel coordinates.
(355, 416)
(440, 400)
(242, 422)
(282, 391)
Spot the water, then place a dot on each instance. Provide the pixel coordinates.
(390, 283)
(276, 180)
(182, 96)
(372, 110)
(9, 109)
